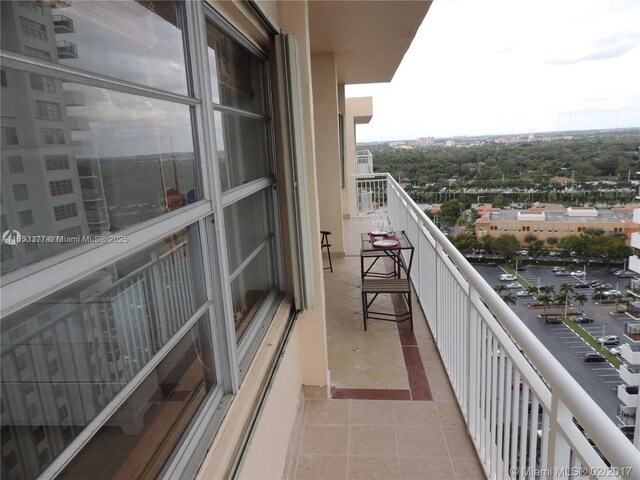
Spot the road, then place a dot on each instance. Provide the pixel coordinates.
(600, 380)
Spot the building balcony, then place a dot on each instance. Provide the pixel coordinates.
(630, 353)
(506, 395)
(632, 330)
(62, 24)
(364, 162)
(626, 415)
(634, 263)
(628, 395)
(75, 122)
(67, 49)
(630, 374)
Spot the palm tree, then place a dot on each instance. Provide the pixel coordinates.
(547, 297)
(499, 288)
(509, 298)
(564, 296)
(581, 298)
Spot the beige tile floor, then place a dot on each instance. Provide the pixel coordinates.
(358, 439)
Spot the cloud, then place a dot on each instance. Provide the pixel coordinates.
(610, 47)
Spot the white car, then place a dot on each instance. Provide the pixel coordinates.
(561, 273)
(609, 340)
(578, 272)
(616, 351)
(507, 277)
(557, 269)
(523, 293)
(514, 285)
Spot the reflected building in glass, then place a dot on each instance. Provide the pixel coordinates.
(41, 184)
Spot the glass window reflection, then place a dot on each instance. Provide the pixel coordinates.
(236, 73)
(249, 289)
(95, 154)
(129, 40)
(139, 438)
(242, 149)
(247, 225)
(65, 357)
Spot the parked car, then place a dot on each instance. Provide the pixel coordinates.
(523, 293)
(492, 264)
(582, 285)
(507, 277)
(594, 283)
(626, 275)
(583, 319)
(615, 351)
(577, 272)
(557, 269)
(521, 268)
(609, 340)
(552, 320)
(514, 285)
(561, 273)
(594, 357)
(611, 293)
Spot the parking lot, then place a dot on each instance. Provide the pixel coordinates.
(599, 379)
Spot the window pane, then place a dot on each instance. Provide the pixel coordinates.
(247, 226)
(129, 40)
(249, 289)
(236, 73)
(65, 357)
(87, 169)
(148, 427)
(242, 149)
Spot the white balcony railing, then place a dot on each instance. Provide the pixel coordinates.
(371, 191)
(364, 162)
(522, 408)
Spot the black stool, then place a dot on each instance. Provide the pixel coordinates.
(324, 243)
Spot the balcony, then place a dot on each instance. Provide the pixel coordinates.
(632, 330)
(629, 353)
(630, 374)
(364, 162)
(516, 403)
(62, 24)
(628, 397)
(626, 415)
(67, 50)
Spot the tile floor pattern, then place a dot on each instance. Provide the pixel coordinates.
(378, 439)
(382, 439)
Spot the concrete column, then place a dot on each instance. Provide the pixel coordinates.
(294, 18)
(325, 104)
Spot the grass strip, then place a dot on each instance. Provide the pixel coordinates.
(615, 361)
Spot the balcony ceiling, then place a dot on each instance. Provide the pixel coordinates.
(369, 38)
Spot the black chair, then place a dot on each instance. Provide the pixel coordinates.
(395, 285)
(324, 243)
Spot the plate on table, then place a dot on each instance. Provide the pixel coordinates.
(378, 232)
(385, 243)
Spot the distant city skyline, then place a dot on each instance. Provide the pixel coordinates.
(504, 67)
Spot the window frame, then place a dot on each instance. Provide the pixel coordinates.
(35, 281)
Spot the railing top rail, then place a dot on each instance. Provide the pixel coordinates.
(596, 423)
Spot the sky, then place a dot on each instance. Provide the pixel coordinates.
(512, 66)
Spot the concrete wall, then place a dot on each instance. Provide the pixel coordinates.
(325, 101)
(358, 110)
